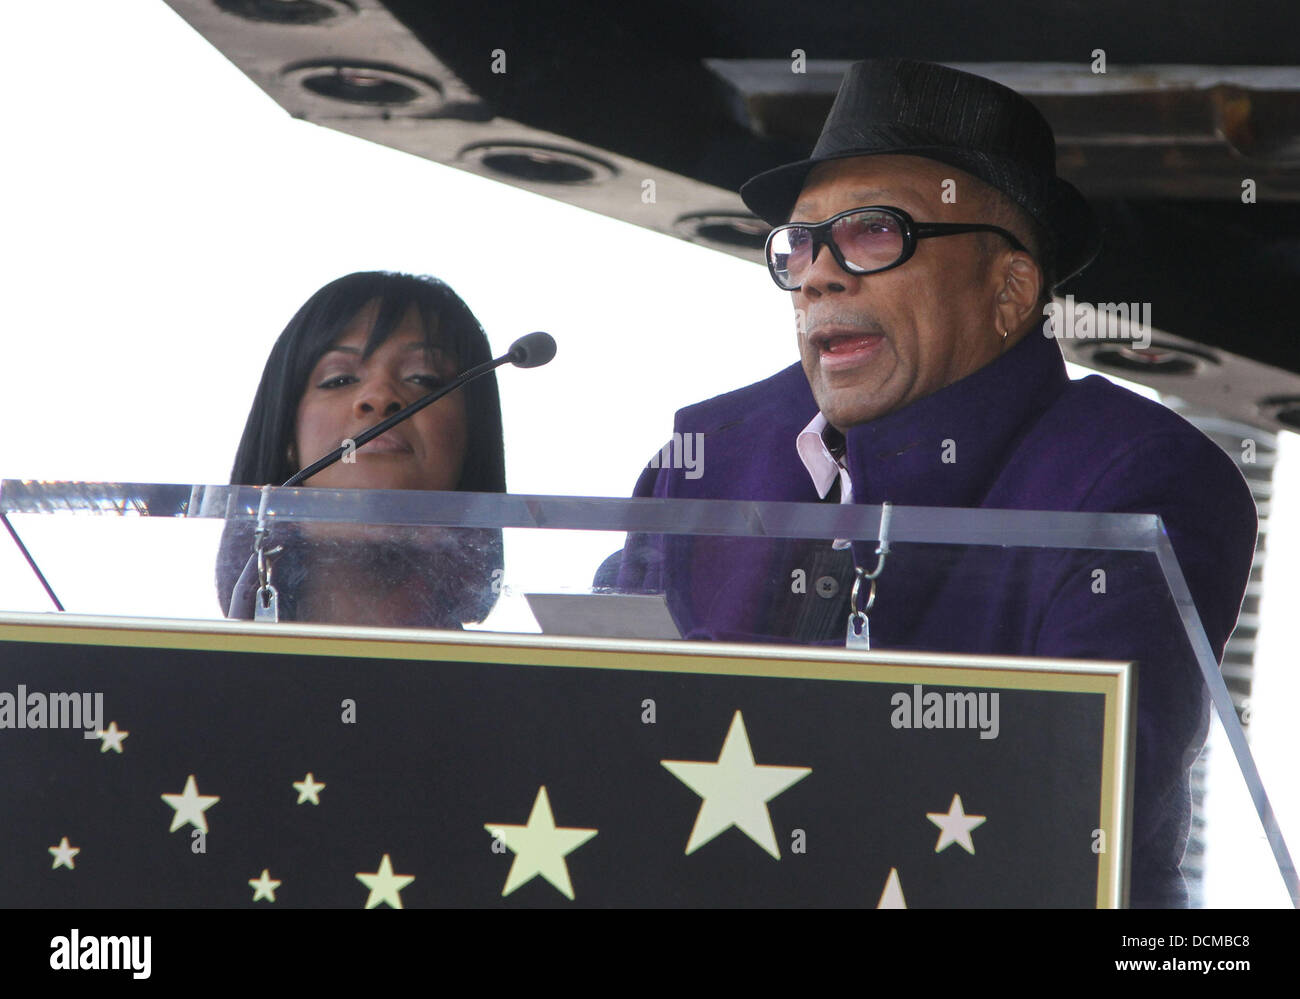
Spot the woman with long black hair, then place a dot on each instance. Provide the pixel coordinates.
(360, 349)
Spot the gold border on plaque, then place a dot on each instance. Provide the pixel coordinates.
(1114, 681)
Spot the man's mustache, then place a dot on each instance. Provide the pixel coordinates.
(824, 327)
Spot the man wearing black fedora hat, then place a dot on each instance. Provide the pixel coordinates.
(919, 244)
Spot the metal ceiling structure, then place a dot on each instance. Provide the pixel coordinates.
(1179, 121)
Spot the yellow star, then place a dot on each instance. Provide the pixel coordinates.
(955, 826)
(735, 791)
(308, 789)
(892, 896)
(540, 847)
(384, 885)
(190, 806)
(63, 854)
(264, 887)
(112, 738)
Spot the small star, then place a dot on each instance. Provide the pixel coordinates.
(384, 885)
(63, 854)
(955, 826)
(190, 806)
(112, 738)
(540, 847)
(308, 789)
(264, 887)
(735, 791)
(892, 896)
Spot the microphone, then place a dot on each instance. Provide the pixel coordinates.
(529, 351)
(532, 351)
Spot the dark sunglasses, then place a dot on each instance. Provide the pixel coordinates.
(862, 240)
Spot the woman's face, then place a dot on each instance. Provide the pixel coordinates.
(346, 395)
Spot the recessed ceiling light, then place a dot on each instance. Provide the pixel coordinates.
(731, 229)
(367, 84)
(300, 12)
(538, 163)
(1156, 359)
(1283, 408)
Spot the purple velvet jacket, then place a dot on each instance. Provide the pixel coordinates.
(1026, 437)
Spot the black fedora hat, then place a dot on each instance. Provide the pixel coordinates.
(904, 107)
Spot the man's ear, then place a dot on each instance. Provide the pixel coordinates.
(1020, 285)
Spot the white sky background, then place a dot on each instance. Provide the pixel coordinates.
(163, 218)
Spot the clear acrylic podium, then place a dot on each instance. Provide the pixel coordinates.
(420, 614)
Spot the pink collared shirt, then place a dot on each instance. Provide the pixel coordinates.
(822, 466)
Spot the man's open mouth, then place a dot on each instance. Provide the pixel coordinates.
(844, 342)
(847, 343)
